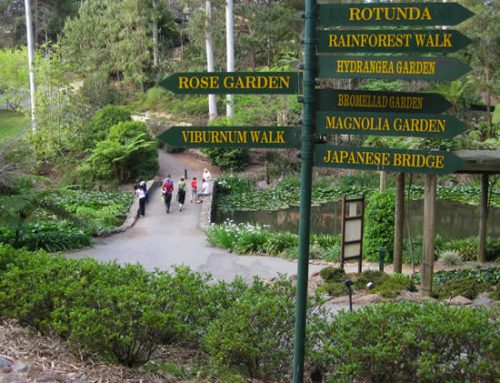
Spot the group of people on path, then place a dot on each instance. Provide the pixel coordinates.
(167, 190)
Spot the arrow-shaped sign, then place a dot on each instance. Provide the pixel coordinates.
(232, 136)
(389, 124)
(232, 83)
(393, 41)
(389, 160)
(380, 14)
(373, 101)
(407, 68)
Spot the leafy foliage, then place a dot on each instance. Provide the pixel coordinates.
(13, 77)
(128, 154)
(104, 120)
(228, 159)
(250, 239)
(379, 226)
(407, 342)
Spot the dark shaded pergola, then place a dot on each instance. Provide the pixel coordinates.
(483, 162)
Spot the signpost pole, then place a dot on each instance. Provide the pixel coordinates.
(306, 186)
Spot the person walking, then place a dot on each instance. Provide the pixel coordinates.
(144, 187)
(181, 193)
(141, 196)
(167, 188)
(205, 190)
(194, 189)
(206, 175)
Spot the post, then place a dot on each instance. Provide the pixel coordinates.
(429, 232)
(266, 164)
(31, 58)
(483, 219)
(229, 53)
(212, 102)
(399, 223)
(382, 181)
(306, 187)
(381, 259)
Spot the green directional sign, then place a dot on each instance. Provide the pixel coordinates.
(383, 14)
(393, 41)
(232, 136)
(372, 101)
(233, 83)
(389, 124)
(388, 160)
(382, 67)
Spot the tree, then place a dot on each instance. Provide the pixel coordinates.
(48, 19)
(113, 37)
(14, 76)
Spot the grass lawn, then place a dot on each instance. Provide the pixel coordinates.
(11, 123)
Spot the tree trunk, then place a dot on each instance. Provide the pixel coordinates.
(155, 33)
(229, 52)
(212, 104)
(429, 232)
(483, 219)
(399, 223)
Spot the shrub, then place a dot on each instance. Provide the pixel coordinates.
(53, 236)
(379, 226)
(465, 287)
(333, 288)
(128, 154)
(103, 120)
(156, 99)
(374, 276)
(407, 342)
(332, 274)
(450, 257)
(394, 284)
(255, 334)
(228, 159)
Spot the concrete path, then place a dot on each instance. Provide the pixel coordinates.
(161, 240)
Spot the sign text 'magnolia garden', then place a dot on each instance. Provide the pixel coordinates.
(389, 124)
(233, 83)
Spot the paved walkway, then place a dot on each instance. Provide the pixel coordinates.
(161, 240)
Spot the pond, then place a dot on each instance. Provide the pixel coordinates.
(453, 220)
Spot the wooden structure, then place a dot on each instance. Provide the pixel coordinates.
(353, 211)
(482, 162)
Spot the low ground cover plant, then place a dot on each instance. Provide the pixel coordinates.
(387, 285)
(123, 314)
(255, 239)
(61, 219)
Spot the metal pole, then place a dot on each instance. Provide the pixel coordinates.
(306, 186)
(230, 53)
(31, 55)
(483, 218)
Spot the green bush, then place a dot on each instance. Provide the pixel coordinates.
(156, 99)
(332, 274)
(189, 106)
(53, 236)
(374, 276)
(450, 257)
(407, 342)
(103, 120)
(228, 159)
(255, 334)
(393, 285)
(128, 154)
(379, 226)
(465, 287)
(333, 288)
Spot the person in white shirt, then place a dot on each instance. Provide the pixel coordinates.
(139, 192)
(205, 190)
(206, 175)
